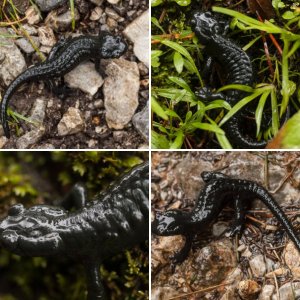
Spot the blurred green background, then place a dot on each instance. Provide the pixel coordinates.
(41, 178)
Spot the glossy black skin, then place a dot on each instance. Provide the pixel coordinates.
(114, 220)
(236, 63)
(65, 56)
(218, 190)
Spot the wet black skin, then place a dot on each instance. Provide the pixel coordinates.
(114, 220)
(237, 65)
(65, 56)
(218, 190)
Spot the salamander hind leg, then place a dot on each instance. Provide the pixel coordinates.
(182, 254)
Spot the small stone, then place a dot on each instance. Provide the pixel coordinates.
(113, 1)
(112, 14)
(97, 2)
(141, 122)
(137, 32)
(12, 62)
(111, 23)
(219, 228)
(3, 141)
(101, 129)
(258, 265)
(46, 36)
(248, 289)
(47, 5)
(46, 146)
(26, 46)
(85, 72)
(71, 122)
(267, 292)
(96, 13)
(291, 255)
(296, 273)
(38, 112)
(99, 103)
(30, 29)
(63, 21)
(92, 143)
(32, 16)
(288, 291)
(277, 272)
(30, 138)
(120, 91)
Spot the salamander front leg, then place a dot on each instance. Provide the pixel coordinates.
(59, 45)
(240, 207)
(76, 198)
(94, 285)
(207, 95)
(98, 68)
(182, 254)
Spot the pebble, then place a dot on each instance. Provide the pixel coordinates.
(38, 112)
(25, 45)
(97, 2)
(96, 13)
(32, 15)
(267, 292)
(62, 21)
(112, 14)
(288, 291)
(30, 29)
(46, 36)
(248, 289)
(83, 74)
(113, 1)
(71, 122)
(138, 33)
(12, 62)
(30, 138)
(3, 141)
(258, 265)
(141, 122)
(47, 5)
(120, 91)
(291, 255)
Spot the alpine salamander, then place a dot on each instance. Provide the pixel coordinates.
(115, 220)
(236, 63)
(65, 56)
(218, 190)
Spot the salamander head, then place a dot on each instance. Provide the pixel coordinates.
(111, 46)
(205, 25)
(24, 229)
(168, 223)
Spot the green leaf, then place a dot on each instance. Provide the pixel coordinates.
(178, 140)
(291, 136)
(159, 141)
(183, 2)
(156, 23)
(208, 127)
(288, 15)
(259, 110)
(181, 82)
(156, 2)
(157, 109)
(155, 54)
(178, 62)
(218, 104)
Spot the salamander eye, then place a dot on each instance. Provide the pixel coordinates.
(16, 210)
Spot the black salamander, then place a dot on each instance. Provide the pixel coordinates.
(237, 64)
(115, 220)
(65, 56)
(218, 190)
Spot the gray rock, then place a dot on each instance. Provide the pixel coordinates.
(46, 36)
(32, 15)
(30, 29)
(97, 2)
(71, 122)
(258, 265)
(120, 91)
(26, 46)
(113, 1)
(38, 112)
(267, 292)
(3, 141)
(112, 14)
(288, 291)
(61, 22)
(85, 78)
(47, 5)
(46, 146)
(138, 33)
(12, 62)
(141, 122)
(96, 13)
(30, 138)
